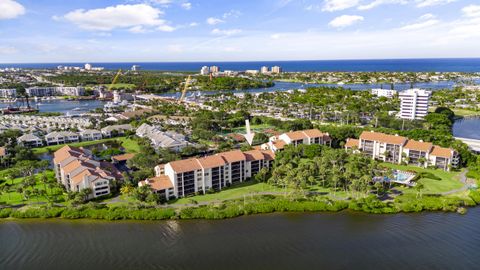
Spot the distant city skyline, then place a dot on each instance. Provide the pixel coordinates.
(263, 30)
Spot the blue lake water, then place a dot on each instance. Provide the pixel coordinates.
(414, 65)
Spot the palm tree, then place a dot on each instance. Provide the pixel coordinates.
(419, 188)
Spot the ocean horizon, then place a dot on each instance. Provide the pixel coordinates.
(389, 65)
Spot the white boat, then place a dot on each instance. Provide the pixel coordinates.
(77, 109)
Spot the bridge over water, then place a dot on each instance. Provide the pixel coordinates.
(473, 144)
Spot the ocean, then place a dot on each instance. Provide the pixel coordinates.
(406, 65)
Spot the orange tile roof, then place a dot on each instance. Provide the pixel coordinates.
(233, 156)
(159, 183)
(269, 154)
(3, 151)
(79, 177)
(279, 144)
(313, 133)
(382, 137)
(441, 152)
(419, 146)
(209, 162)
(352, 142)
(254, 155)
(296, 135)
(185, 165)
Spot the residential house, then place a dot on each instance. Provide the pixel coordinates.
(61, 137)
(29, 140)
(159, 139)
(115, 130)
(308, 137)
(90, 135)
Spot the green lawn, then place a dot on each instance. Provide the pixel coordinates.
(121, 85)
(449, 180)
(13, 197)
(130, 145)
(237, 191)
(258, 128)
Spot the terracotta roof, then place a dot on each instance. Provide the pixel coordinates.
(185, 165)
(269, 154)
(233, 156)
(382, 137)
(65, 152)
(159, 183)
(313, 133)
(209, 162)
(253, 155)
(419, 146)
(441, 152)
(279, 144)
(3, 151)
(79, 177)
(296, 135)
(352, 142)
(123, 157)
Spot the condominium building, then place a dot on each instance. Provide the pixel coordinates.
(61, 137)
(414, 103)
(397, 149)
(160, 139)
(276, 69)
(264, 70)
(214, 69)
(53, 91)
(8, 93)
(76, 170)
(308, 137)
(114, 130)
(90, 135)
(29, 140)
(204, 71)
(198, 175)
(384, 93)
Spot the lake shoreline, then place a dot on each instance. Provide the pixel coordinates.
(237, 208)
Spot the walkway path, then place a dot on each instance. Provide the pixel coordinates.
(465, 182)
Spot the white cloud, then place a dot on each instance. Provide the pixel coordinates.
(213, 21)
(429, 3)
(166, 28)
(10, 9)
(8, 50)
(228, 32)
(276, 36)
(193, 24)
(186, 5)
(136, 17)
(423, 21)
(232, 13)
(345, 20)
(335, 5)
(471, 11)
(377, 3)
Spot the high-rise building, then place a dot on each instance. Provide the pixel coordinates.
(264, 70)
(276, 69)
(204, 71)
(414, 103)
(135, 68)
(88, 66)
(214, 69)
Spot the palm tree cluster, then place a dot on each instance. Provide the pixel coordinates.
(332, 169)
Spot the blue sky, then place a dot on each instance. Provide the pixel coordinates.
(233, 30)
